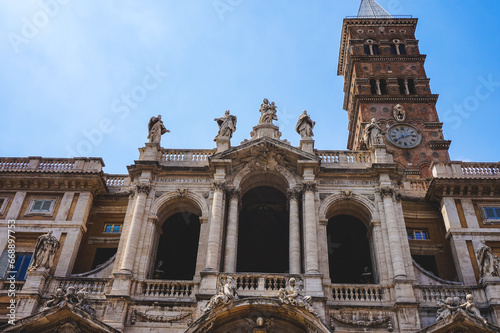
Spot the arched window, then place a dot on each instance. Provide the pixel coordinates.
(371, 48)
(398, 48)
(178, 247)
(378, 87)
(349, 251)
(411, 86)
(383, 87)
(263, 235)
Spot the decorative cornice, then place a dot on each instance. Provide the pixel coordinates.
(444, 144)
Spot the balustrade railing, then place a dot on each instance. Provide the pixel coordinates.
(333, 158)
(94, 287)
(161, 288)
(115, 180)
(431, 294)
(481, 169)
(466, 170)
(357, 293)
(186, 156)
(40, 164)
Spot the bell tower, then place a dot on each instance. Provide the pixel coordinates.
(385, 79)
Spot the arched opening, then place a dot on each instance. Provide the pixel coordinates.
(263, 232)
(349, 250)
(178, 247)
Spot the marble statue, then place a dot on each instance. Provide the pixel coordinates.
(156, 129)
(225, 296)
(78, 299)
(268, 112)
(227, 126)
(45, 251)
(290, 295)
(305, 125)
(470, 308)
(447, 308)
(57, 298)
(489, 264)
(372, 134)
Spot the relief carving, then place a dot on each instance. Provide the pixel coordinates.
(291, 296)
(225, 296)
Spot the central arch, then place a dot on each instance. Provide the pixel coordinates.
(263, 234)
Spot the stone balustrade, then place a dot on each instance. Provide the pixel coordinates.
(255, 284)
(195, 157)
(466, 170)
(341, 159)
(97, 288)
(115, 180)
(431, 294)
(357, 293)
(39, 164)
(163, 288)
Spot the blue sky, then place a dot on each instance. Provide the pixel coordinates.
(68, 65)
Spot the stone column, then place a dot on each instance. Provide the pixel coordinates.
(130, 249)
(294, 251)
(311, 233)
(232, 232)
(215, 227)
(395, 246)
(69, 251)
(450, 214)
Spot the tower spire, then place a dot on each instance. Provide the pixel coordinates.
(371, 9)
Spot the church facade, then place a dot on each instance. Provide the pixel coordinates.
(389, 235)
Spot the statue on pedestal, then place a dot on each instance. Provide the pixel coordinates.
(268, 112)
(156, 129)
(45, 251)
(305, 126)
(471, 309)
(373, 134)
(227, 126)
(489, 264)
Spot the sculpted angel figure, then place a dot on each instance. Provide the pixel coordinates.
(470, 307)
(305, 125)
(227, 126)
(268, 112)
(45, 251)
(447, 308)
(156, 129)
(57, 298)
(290, 295)
(225, 296)
(489, 264)
(373, 134)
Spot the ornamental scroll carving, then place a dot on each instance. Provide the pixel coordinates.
(264, 156)
(365, 320)
(156, 318)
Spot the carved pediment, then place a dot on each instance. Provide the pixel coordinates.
(265, 154)
(66, 318)
(461, 322)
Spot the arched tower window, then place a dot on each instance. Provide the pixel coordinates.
(371, 48)
(178, 247)
(263, 236)
(349, 253)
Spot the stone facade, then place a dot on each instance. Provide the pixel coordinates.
(264, 236)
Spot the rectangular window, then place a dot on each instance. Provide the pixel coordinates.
(23, 261)
(492, 214)
(41, 206)
(112, 228)
(418, 234)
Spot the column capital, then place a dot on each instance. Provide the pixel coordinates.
(143, 188)
(386, 192)
(294, 193)
(309, 186)
(219, 185)
(233, 193)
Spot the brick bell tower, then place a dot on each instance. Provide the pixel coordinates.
(384, 78)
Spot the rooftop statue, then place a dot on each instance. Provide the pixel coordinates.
(305, 125)
(227, 126)
(268, 112)
(156, 129)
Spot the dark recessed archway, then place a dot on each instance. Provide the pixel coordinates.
(263, 232)
(178, 247)
(348, 250)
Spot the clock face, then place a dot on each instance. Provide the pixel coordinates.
(404, 136)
